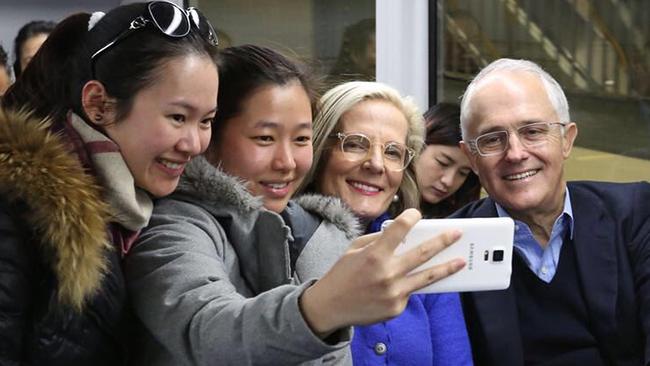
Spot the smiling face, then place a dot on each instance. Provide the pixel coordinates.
(269, 143)
(168, 124)
(525, 180)
(441, 170)
(366, 186)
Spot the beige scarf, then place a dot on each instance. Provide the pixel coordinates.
(131, 206)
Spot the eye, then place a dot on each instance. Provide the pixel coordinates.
(442, 163)
(533, 131)
(354, 143)
(178, 117)
(491, 139)
(207, 123)
(464, 173)
(264, 139)
(394, 152)
(303, 140)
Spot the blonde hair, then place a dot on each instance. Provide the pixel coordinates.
(344, 97)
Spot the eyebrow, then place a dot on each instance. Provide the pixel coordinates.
(276, 125)
(517, 125)
(191, 107)
(447, 157)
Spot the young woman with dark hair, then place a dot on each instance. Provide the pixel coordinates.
(29, 39)
(445, 178)
(103, 120)
(232, 272)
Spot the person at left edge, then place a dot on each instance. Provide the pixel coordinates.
(103, 119)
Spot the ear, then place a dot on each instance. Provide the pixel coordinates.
(470, 156)
(93, 101)
(570, 134)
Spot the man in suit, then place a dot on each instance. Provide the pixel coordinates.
(580, 289)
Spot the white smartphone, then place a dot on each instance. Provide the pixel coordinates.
(486, 247)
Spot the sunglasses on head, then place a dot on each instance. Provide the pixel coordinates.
(169, 19)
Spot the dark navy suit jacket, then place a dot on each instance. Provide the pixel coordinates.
(612, 244)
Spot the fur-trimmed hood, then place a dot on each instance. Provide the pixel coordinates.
(66, 211)
(213, 187)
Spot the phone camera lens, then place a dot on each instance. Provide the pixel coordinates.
(497, 255)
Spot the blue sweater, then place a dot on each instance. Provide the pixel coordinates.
(430, 331)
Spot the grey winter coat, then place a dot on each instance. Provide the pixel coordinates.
(212, 282)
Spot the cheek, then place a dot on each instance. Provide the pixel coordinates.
(204, 138)
(330, 177)
(458, 181)
(434, 173)
(303, 161)
(394, 180)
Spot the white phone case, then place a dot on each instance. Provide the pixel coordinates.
(482, 238)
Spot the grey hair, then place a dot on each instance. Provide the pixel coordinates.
(553, 89)
(341, 99)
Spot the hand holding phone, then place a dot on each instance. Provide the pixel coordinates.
(486, 247)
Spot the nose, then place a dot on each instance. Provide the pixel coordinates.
(447, 178)
(283, 158)
(515, 151)
(190, 143)
(375, 159)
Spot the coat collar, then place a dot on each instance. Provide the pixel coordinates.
(597, 268)
(38, 169)
(215, 188)
(259, 236)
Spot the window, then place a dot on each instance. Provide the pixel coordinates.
(337, 36)
(599, 51)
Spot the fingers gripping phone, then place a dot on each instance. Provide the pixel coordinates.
(486, 247)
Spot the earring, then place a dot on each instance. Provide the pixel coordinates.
(395, 198)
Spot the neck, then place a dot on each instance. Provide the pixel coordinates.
(541, 221)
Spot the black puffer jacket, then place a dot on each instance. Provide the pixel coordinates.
(62, 294)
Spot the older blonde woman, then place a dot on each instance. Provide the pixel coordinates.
(365, 137)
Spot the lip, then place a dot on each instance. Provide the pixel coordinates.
(169, 170)
(522, 175)
(439, 193)
(276, 189)
(364, 188)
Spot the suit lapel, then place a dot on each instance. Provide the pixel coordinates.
(496, 313)
(596, 258)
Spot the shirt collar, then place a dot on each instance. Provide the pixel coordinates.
(568, 211)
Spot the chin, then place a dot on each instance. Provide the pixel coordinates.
(160, 191)
(276, 207)
(369, 214)
(433, 200)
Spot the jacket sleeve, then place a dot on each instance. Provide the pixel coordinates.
(450, 343)
(639, 252)
(16, 282)
(180, 277)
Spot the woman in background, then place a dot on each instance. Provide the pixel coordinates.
(104, 119)
(445, 178)
(29, 39)
(365, 137)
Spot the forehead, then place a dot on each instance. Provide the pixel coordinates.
(189, 80)
(376, 118)
(509, 99)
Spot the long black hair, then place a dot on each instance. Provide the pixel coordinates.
(442, 123)
(52, 82)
